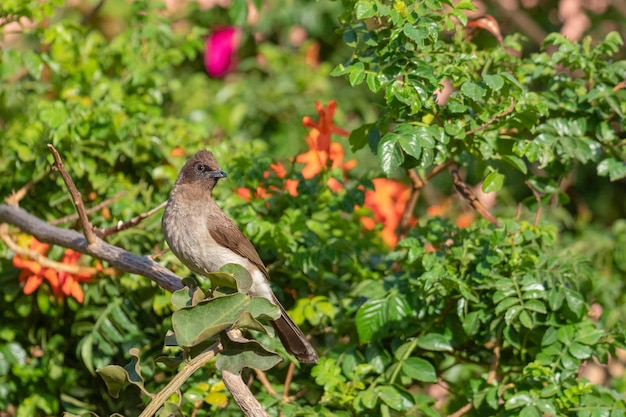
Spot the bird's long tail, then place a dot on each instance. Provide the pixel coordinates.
(292, 337)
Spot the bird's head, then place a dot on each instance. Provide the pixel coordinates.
(201, 169)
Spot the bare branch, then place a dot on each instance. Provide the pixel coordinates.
(78, 201)
(104, 232)
(260, 375)
(469, 196)
(178, 380)
(493, 119)
(242, 395)
(45, 261)
(90, 210)
(462, 411)
(538, 198)
(116, 257)
(417, 185)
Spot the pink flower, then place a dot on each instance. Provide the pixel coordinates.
(219, 51)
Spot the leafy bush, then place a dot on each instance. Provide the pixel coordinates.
(498, 313)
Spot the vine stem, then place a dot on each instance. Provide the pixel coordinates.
(178, 380)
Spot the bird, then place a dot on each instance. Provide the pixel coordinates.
(205, 238)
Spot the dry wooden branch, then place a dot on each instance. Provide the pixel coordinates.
(538, 198)
(242, 395)
(416, 185)
(493, 119)
(469, 196)
(99, 206)
(115, 256)
(76, 197)
(104, 232)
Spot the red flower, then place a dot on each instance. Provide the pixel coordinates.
(387, 202)
(62, 283)
(319, 136)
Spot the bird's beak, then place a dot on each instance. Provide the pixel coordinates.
(217, 174)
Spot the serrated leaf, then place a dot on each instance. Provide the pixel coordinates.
(371, 318)
(495, 82)
(390, 154)
(206, 320)
(398, 307)
(472, 90)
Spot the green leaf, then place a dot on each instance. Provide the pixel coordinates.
(495, 82)
(472, 90)
(419, 369)
(435, 342)
(398, 308)
(115, 377)
(408, 141)
(364, 9)
(517, 163)
(241, 275)
(207, 319)
(394, 398)
(390, 154)
(169, 409)
(521, 399)
(235, 356)
(371, 318)
(493, 182)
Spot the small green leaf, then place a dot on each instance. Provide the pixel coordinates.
(419, 369)
(493, 182)
(521, 399)
(364, 9)
(390, 154)
(495, 82)
(394, 398)
(517, 163)
(371, 318)
(115, 377)
(435, 342)
(472, 90)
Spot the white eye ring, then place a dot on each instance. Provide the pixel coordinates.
(200, 167)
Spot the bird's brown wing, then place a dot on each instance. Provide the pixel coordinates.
(229, 236)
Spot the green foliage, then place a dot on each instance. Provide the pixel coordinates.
(501, 317)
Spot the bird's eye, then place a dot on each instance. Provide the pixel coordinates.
(200, 168)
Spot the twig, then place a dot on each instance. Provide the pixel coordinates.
(288, 379)
(115, 256)
(78, 201)
(495, 363)
(493, 119)
(45, 261)
(104, 232)
(242, 395)
(178, 380)
(416, 185)
(260, 375)
(16, 196)
(90, 210)
(462, 411)
(468, 195)
(538, 198)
